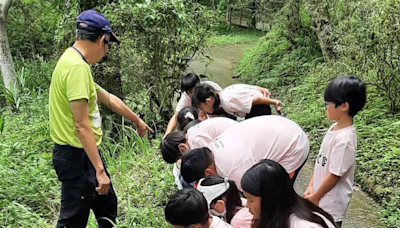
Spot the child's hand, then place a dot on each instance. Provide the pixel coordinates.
(265, 92)
(278, 104)
(308, 191)
(313, 199)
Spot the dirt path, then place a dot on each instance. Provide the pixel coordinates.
(363, 211)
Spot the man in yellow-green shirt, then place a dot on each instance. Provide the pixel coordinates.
(75, 126)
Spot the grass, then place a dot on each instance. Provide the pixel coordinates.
(223, 35)
(30, 190)
(297, 75)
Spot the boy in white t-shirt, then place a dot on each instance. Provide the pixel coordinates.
(189, 208)
(188, 82)
(331, 186)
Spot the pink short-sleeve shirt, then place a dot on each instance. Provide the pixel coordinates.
(336, 156)
(201, 134)
(296, 222)
(237, 99)
(186, 101)
(264, 137)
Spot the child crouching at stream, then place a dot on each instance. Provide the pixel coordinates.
(188, 208)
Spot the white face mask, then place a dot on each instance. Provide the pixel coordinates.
(220, 215)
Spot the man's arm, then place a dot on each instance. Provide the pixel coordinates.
(171, 124)
(118, 106)
(80, 112)
(327, 185)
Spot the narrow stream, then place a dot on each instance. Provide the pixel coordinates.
(222, 68)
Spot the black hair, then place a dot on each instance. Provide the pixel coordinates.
(191, 124)
(183, 120)
(85, 35)
(169, 146)
(187, 207)
(232, 195)
(194, 163)
(270, 181)
(189, 81)
(348, 89)
(203, 91)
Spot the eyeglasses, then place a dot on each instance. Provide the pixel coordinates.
(328, 103)
(108, 43)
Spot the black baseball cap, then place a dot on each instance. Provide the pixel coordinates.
(95, 22)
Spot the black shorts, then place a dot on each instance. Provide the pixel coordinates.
(78, 194)
(258, 110)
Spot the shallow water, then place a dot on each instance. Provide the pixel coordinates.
(222, 68)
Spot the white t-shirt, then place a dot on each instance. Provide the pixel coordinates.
(186, 101)
(237, 99)
(201, 134)
(263, 137)
(336, 156)
(296, 222)
(218, 223)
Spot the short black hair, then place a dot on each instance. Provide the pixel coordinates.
(183, 120)
(81, 34)
(203, 91)
(348, 89)
(194, 163)
(187, 207)
(189, 81)
(169, 146)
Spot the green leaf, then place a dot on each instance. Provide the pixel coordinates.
(2, 123)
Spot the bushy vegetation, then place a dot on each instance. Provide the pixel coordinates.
(297, 72)
(158, 40)
(30, 190)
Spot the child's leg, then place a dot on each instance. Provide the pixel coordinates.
(338, 224)
(259, 110)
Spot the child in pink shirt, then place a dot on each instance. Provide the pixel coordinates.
(198, 134)
(243, 145)
(239, 100)
(224, 201)
(331, 186)
(274, 203)
(188, 208)
(188, 82)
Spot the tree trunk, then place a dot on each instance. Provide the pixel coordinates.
(6, 61)
(214, 6)
(254, 6)
(293, 19)
(318, 10)
(228, 12)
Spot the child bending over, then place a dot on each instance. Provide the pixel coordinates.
(188, 208)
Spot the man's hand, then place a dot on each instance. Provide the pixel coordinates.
(313, 199)
(104, 183)
(142, 127)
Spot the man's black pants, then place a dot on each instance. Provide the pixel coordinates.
(78, 195)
